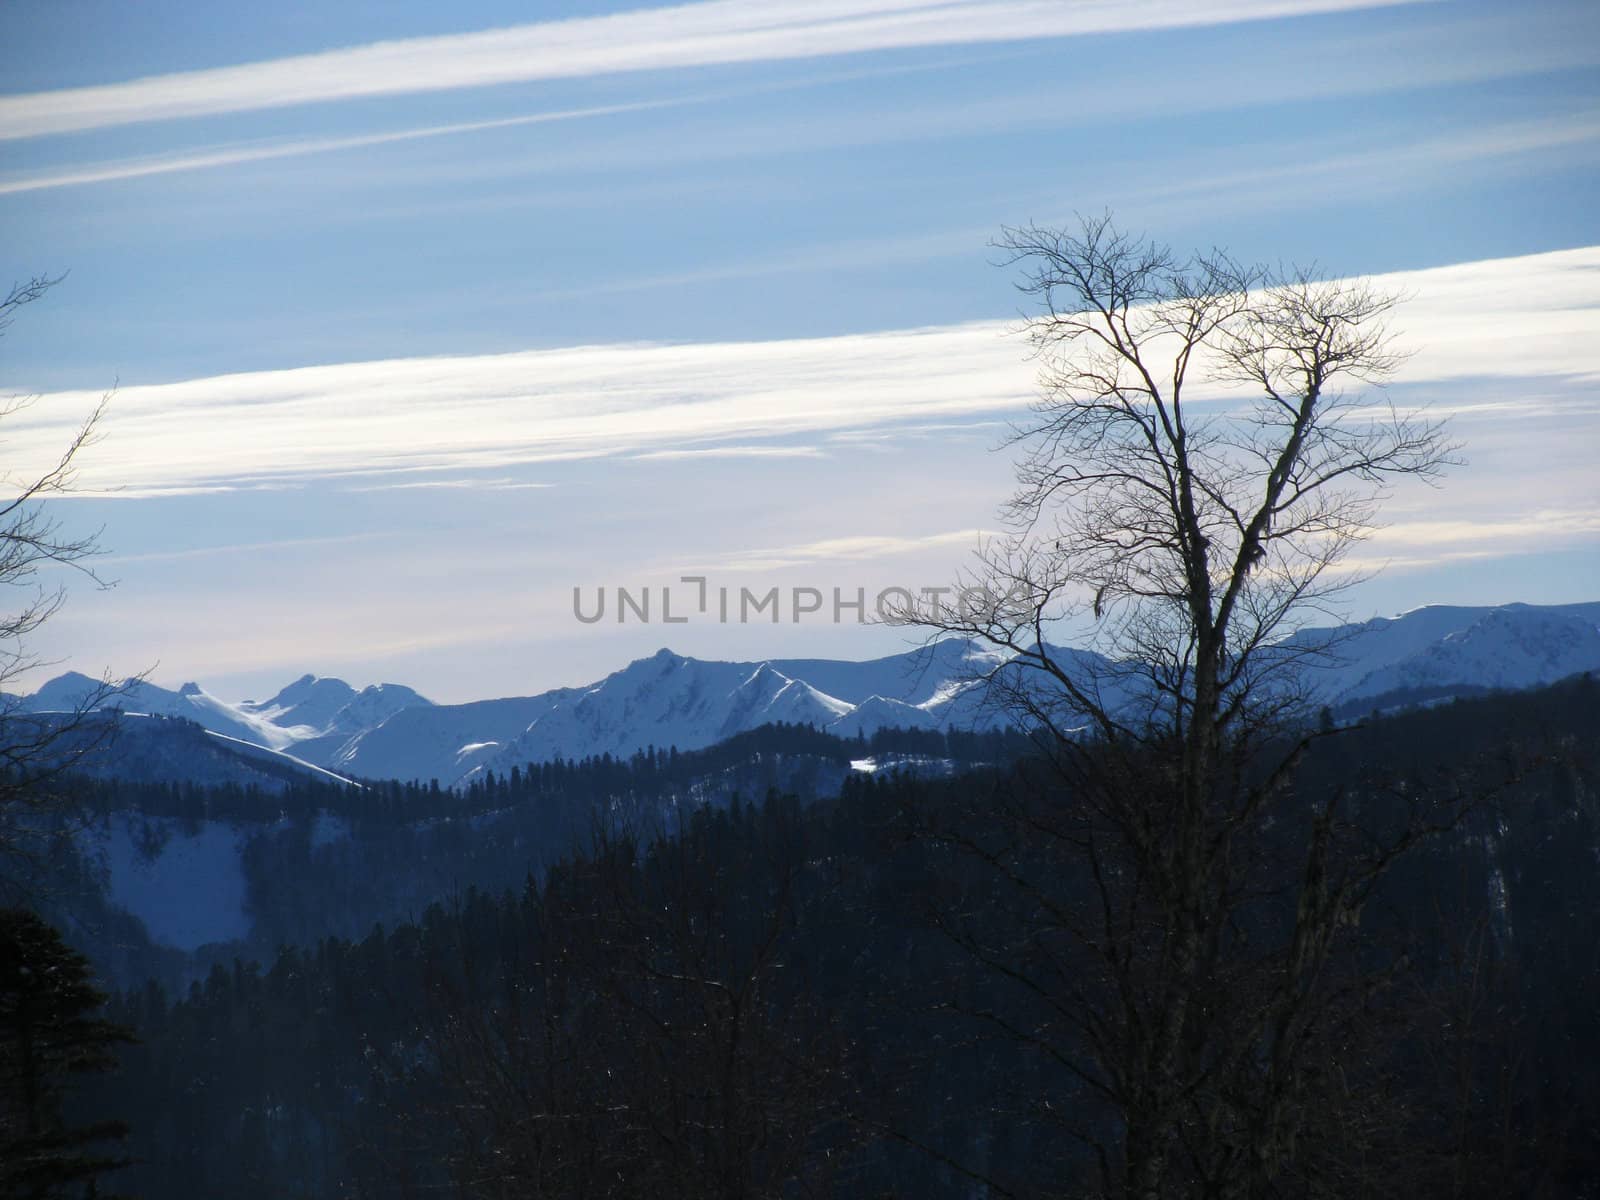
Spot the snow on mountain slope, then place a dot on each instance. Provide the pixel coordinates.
(184, 880)
(441, 741)
(309, 702)
(389, 731)
(881, 712)
(669, 700)
(217, 715)
(914, 677)
(768, 696)
(64, 693)
(67, 692)
(373, 705)
(276, 758)
(314, 716)
(1513, 645)
(314, 706)
(160, 749)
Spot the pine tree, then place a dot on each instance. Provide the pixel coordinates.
(49, 1031)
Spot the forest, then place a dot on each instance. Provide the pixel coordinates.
(876, 989)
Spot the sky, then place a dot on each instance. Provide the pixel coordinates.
(419, 317)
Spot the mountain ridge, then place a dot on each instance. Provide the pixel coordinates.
(668, 699)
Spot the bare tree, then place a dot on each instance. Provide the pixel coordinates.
(36, 748)
(1193, 477)
(1205, 450)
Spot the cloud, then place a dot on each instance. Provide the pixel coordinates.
(268, 547)
(1438, 53)
(490, 412)
(463, 485)
(226, 156)
(733, 452)
(1414, 544)
(146, 493)
(1562, 139)
(1527, 323)
(1544, 523)
(856, 548)
(690, 35)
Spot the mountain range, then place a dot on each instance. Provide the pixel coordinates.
(390, 731)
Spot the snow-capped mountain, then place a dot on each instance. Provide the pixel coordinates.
(309, 709)
(316, 707)
(389, 731)
(669, 700)
(442, 742)
(1445, 646)
(67, 693)
(144, 748)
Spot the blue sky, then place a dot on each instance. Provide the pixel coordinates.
(422, 315)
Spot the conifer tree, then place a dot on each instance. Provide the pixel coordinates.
(50, 1031)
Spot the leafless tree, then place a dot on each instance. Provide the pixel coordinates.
(1192, 480)
(1206, 448)
(36, 748)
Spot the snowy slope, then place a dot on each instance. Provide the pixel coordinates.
(314, 707)
(389, 731)
(441, 742)
(157, 749)
(308, 702)
(669, 700)
(882, 712)
(915, 677)
(66, 692)
(1509, 646)
(184, 880)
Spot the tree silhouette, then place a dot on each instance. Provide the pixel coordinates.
(1179, 920)
(49, 1032)
(36, 748)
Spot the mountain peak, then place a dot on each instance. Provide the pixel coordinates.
(69, 679)
(324, 687)
(392, 690)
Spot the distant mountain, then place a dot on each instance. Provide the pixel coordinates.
(443, 742)
(1442, 647)
(66, 693)
(142, 748)
(309, 709)
(389, 731)
(668, 700)
(313, 707)
(671, 700)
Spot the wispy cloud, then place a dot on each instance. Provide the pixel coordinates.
(689, 35)
(1528, 322)
(1398, 166)
(470, 484)
(858, 548)
(1543, 525)
(490, 412)
(155, 492)
(733, 452)
(235, 548)
(227, 156)
(1395, 58)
